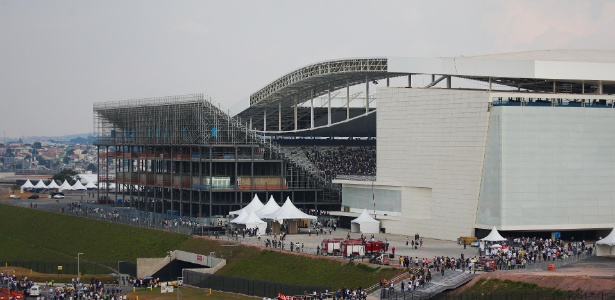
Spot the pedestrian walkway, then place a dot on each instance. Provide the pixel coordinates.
(450, 280)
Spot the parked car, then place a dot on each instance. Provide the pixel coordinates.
(34, 196)
(475, 243)
(58, 196)
(13, 196)
(35, 290)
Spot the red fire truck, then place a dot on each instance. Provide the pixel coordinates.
(14, 294)
(358, 247)
(331, 246)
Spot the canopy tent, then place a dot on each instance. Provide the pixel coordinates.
(88, 177)
(493, 236)
(53, 185)
(40, 185)
(288, 211)
(66, 186)
(255, 205)
(242, 215)
(253, 221)
(365, 224)
(90, 185)
(27, 185)
(282, 216)
(79, 186)
(606, 246)
(269, 208)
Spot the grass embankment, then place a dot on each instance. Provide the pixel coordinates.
(513, 290)
(34, 235)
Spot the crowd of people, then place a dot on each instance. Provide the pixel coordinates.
(343, 160)
(528, 251)
(15, 284)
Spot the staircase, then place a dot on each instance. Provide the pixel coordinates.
(450, 280)
(297, 164)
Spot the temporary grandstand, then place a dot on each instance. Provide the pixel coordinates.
(521, 141)
(184, 156)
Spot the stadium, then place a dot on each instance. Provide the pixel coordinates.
(445, 147)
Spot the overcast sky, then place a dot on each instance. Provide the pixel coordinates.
(57, 58)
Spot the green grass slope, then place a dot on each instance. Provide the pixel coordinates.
(33, 235)
(494, 288)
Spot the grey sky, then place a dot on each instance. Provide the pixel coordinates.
(57, 58)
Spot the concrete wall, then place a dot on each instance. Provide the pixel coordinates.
(556, 169)
(431, 144)
(149, 266)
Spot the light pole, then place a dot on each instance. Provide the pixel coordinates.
(78, 270)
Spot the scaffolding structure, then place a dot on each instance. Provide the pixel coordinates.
(173, 120)
(184, 156)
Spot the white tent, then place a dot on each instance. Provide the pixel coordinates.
(79, 186)
(40, 185)
(53, 185)
(493, 236)
(252, 220)
(606, 246)
(365, 224)
(255, 205)
(90, 185)
(269, 208)
(288, 211)
(66, 186)
(88, 177)
(242, 215)
(27, 185)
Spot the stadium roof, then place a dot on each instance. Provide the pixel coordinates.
(589, 71)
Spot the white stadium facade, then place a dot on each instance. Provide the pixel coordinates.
(521, 141)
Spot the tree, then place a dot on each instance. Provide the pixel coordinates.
(92, 167)
(66, 160)
(66, 174)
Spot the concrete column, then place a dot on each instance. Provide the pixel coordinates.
(265, 120)
(490, 84)
(312, 110)
(433, 77)
(296, 113)
(448, 82)
(409, 81)
(366, 94)
(280, 116)
(582, 86)
(329, 108)
(250, 123)
(347, 100)
(554, 86)
(387, 81)
(600, 87)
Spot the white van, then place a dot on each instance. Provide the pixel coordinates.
(35, 290)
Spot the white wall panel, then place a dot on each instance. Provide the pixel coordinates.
(436, 150)
(557, 167)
